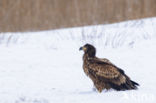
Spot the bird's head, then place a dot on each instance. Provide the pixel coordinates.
(89, 49)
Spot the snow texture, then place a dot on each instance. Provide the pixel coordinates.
(46, 66)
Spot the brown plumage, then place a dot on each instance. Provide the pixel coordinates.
(103, 73)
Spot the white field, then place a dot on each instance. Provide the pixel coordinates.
(46, 66)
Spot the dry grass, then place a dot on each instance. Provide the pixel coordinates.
(32, 15)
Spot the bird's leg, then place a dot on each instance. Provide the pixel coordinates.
(98, 87)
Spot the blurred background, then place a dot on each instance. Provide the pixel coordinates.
(36, 15)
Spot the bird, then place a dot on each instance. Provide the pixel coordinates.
(103, 73)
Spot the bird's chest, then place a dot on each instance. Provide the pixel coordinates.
(85, 65)
(89, 71)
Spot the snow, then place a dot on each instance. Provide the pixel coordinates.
(46, 66)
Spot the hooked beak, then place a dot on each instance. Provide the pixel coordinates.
(81, 48)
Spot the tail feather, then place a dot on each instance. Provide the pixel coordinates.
(129, 85)
(134, 83)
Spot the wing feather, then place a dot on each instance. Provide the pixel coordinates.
(104, 60)
(107, 70)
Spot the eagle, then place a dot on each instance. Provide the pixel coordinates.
(103, 73)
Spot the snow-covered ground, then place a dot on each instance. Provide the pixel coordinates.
(46, 67)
